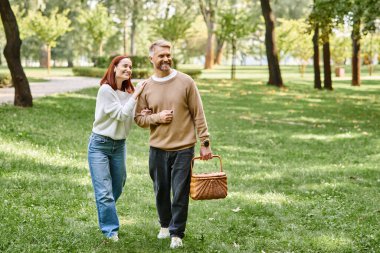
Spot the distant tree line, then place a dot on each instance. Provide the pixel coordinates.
(68, 31)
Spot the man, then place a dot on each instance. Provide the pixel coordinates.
(176, 117)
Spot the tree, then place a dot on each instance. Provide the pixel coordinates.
(208, 10)
(270, 44)
(370, 48)
(325, 15)
(363, 14)
(291, 9)
(69, 44)
(317, 69)
(233, 26)
(340, 46)
(23, 96)
(98, 25)
(171, 29)
(49, 28)
(294, 40)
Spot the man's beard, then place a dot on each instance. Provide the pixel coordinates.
(165, 66)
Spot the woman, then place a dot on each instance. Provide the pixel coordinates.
(114, 111)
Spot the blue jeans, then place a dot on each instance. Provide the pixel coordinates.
(106, 159)
(170, 171)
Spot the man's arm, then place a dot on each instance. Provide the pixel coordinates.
(196, 110)
(145, 120)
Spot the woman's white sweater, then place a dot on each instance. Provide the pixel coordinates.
(114, 113)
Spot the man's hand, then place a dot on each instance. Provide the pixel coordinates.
(166, 116)
(205, 153)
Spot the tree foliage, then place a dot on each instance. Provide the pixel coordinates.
(340, 49)
(293, 40)
(98, 25)
(172, 29)
(234, 25)
(48, 28)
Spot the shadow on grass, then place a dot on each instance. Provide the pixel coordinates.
(302, 167)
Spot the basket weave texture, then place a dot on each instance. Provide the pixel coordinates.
(208, 185)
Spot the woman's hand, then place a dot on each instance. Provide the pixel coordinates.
(138, 90)
(146, 111)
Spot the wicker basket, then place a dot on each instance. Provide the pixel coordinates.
(208, 185)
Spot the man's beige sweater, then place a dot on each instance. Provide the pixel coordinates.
(181, 95)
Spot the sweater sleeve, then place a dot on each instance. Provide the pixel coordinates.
(196, 110)
(145, 120)
(112, 106)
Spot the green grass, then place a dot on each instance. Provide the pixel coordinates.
(40, 74)
(288, 72)
(303, 174)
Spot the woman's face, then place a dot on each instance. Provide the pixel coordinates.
(123, 70)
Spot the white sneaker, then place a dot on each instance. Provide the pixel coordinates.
(176, 242)
(114, 238)
(164, 233)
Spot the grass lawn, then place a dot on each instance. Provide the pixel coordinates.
(41, 74)
(303, 170)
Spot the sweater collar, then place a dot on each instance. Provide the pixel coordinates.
(166, 78)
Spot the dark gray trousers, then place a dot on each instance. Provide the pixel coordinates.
(170, 170)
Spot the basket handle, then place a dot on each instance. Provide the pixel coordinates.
(199, 158)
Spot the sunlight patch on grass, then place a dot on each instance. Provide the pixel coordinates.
(124, 220)
(77, 95)
(84, 181)
(333, 242)
(274, 198)
(38, 154)
(321, 186)
(287, 121)
(327, 138)
(312, 120)
(230, 148)
(262, 176)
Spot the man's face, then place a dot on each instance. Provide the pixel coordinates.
(161, 59)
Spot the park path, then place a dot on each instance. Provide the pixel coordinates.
(54, 85)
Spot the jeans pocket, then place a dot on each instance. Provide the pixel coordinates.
(98, 139)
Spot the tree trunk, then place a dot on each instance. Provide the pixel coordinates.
(208, 14)
(355, 36)
(209, 61)
(317, 69)
(101, 49)
(48, 58)
(327, 83)
(135, 13)
(270, 44)
(70, 62)
(233, 66)
(23, 96)
(133, 32)
(219, 52)
(125, 36)
(43, 56)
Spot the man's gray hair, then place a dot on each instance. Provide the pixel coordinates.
(159, 43)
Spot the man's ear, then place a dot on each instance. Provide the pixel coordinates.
(151, 59)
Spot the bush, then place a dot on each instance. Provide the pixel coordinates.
(99, 72)
(140, 62)
(86, 71)
(5, 80)
(141, 73)
(102, 61)
(194, 73)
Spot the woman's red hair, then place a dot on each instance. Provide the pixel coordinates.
(109, 76)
